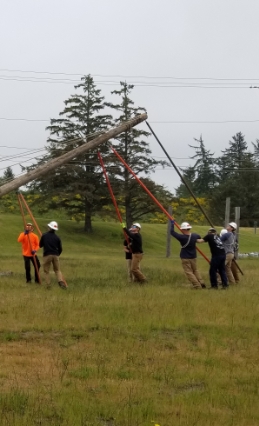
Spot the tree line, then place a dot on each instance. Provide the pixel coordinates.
(79, 187)
(233, 174)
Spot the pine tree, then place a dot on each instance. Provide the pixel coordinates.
(205, 176)
(134, 149)
(77, 186)
(8, 175)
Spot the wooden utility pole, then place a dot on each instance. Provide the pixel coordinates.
(227, 211)
(63, 159)
(168, 235)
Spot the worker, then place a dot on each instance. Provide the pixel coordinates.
(30, 245)
(232, 227)
(137, 251)
(188, 254)
(52, 249)
(128, 257)
(218, 258)
(228, 240)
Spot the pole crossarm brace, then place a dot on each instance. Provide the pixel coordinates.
(65, 158)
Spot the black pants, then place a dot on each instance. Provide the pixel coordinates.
(27, 265)
(217, 264)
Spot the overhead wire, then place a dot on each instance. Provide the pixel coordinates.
(128, 76)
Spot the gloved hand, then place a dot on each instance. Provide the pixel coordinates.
(33, 252)
(172, 221)
(123, 225)
(26, 232)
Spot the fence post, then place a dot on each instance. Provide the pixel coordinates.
(237, 220)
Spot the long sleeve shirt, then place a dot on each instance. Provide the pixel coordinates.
(136, 241)
(29, 242)
(51, 244)
(228, 240)
(188, 243)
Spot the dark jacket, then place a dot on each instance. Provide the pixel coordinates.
(188, 243)
(136, 241)
(51, 244)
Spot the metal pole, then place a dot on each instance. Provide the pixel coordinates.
(181, 176)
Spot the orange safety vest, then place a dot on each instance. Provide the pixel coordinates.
(26, 247)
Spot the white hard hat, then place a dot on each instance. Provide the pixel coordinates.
(137, 225)
(233, 225)
(185, 225)
(53, 225)
(223, 231)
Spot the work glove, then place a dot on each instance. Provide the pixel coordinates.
(172, 222)
(33, 252)
(26, 232)
(123, 225)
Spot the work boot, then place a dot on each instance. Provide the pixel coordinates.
(62, 285)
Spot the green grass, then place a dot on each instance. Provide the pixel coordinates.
(108, 353)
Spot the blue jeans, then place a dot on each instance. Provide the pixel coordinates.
(217, 264)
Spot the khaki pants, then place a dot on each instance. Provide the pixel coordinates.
(229, 258)
(135, 268)
(192, 273)
(47, 261)
(130, 275)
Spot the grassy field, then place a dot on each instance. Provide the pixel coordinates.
(106, 353)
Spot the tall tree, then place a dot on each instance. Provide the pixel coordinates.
(8, 175)
(134, 149)
(78, 186)
(200, 176)
(232, 157)
(237, 178)
(205, 176)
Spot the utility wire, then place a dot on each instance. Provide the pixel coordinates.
(152, 122)
(128, 76)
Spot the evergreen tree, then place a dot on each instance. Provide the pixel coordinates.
(134, 149)
(237, 179)
(189, 176)
(233, 157)
(201, 176)
(205, 176)
(7, 176)
(77, 186)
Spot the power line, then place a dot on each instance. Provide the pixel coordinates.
(136, 84)
(152, 122)
(128, 76)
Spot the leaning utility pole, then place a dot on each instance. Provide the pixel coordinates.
(63, 159)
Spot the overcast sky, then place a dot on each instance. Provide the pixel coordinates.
(165, 47)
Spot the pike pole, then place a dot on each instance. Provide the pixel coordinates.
(187, 186)
(112, 194)
(152, 196)
(28, 235)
